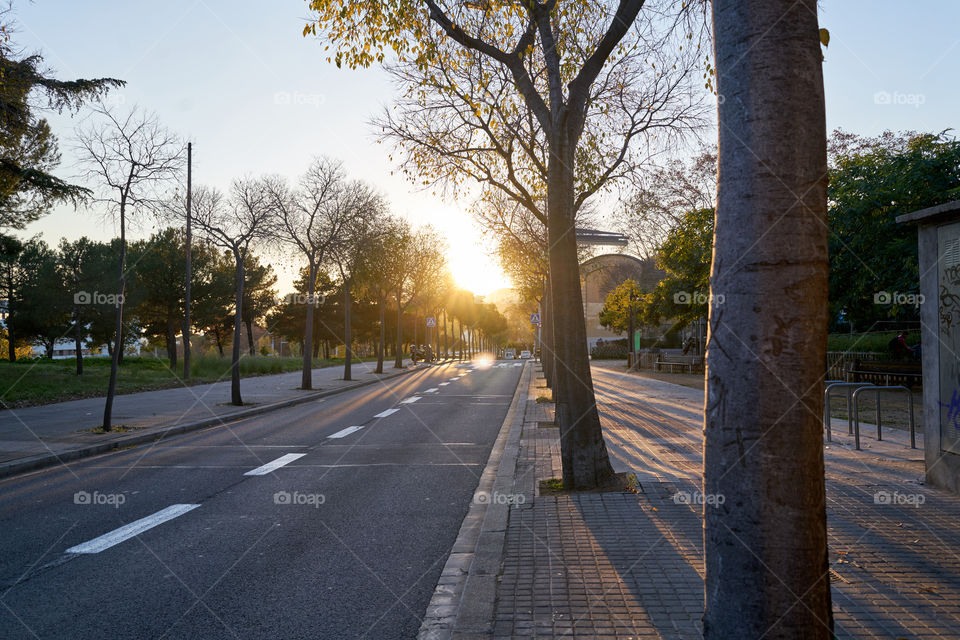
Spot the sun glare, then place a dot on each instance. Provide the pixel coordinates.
(475, 270)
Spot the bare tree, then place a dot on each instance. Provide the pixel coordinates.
(387, 264)
(235, 224)
(363, 207)
(663, 195)
(426, 266)
(312, 219)
(129, 157)
(765, 544)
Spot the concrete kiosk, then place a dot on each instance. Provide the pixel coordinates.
(938, 237)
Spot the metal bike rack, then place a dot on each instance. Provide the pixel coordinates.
(834, 384)
(856, 413)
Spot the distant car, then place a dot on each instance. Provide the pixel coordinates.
(510, 354)
(525, 354)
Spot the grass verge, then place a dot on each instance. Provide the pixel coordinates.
(26, 383)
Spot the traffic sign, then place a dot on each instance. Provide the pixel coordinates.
(431, 322)
(534, 318)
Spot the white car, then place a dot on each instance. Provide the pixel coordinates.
(525, 354)
(510, 354)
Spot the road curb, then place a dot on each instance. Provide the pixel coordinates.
(462, 605)
(156, 434)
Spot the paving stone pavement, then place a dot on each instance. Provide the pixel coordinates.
(622, 565)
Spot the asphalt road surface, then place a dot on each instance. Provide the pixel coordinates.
(331, 519)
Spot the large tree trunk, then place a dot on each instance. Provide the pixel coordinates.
(239, 276)
(765, 540)
(547, 353)
(582, 449)
(347, 338)
(306, 378)
(118, 324)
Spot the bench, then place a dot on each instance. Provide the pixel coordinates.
(688, 364)
(886, 373)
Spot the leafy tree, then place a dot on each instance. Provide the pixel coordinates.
(685, 256)
(623, 301)
(872, 181)
(41, 312)
(84, 267)
(28, 149)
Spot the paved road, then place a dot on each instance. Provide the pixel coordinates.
(345, 540)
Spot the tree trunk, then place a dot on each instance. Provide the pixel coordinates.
(219, 343)
(347, 338)
(398, 356)
(172, 342)
(239, 276)
(445, 353)
(582, 449)
(383, 334)
(249, 323)
(765, 540)
(78, 343)
(118, 323)
(547, 352)
(306, 378)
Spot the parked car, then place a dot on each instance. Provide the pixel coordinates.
(510, 354)
(525, 354)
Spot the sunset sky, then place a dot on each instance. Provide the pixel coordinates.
(239, 81)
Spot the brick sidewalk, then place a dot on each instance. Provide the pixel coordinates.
(619, 565)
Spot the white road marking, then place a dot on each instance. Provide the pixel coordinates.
(410, 400)
(388, 412)
(518, 364)
(432, 390)
(443, 384)
(452, 379)
(276, 464)
(344, 432)
(135, 528)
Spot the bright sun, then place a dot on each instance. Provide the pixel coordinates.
(476, 270)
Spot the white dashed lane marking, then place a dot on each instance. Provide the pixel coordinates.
(276, 464)
(344, 432)
(388, 412)
(135, 528)
(432, 390)
(443, 384)
(410, 400)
